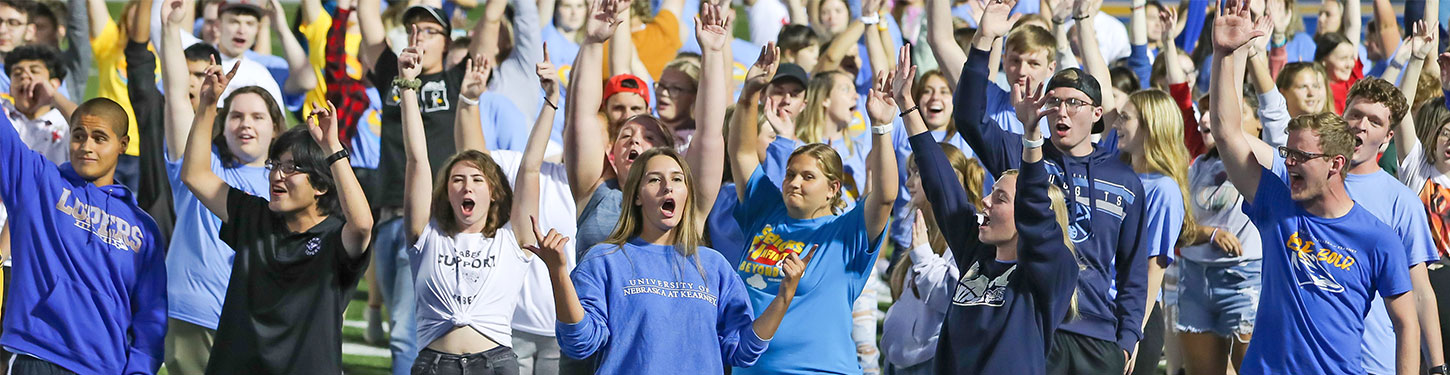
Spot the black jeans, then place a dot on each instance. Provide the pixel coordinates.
(496, 361)
(27, 365)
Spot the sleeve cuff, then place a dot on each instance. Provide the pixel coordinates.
(752, 342)
(1127, 343)
(920, 253)
(138, 362)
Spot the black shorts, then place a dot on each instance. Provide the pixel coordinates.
(1074, 354)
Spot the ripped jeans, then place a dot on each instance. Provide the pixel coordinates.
(1221, 299)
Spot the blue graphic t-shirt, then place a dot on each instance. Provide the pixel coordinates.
(815, 335)
(198, 262)
(1320, 276)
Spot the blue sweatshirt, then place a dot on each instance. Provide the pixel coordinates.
(1106, 200)
(1003, 314)
(88, 287)
(649, 310)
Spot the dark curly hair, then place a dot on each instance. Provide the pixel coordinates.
(32, 52)
(1380, 91)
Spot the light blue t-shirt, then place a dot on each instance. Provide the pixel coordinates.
(815, 335)
(650, 310)
(367, 145)
(1163, 221)
(504, 127)
(198, 263)
(1398, 207)
(1320, 276)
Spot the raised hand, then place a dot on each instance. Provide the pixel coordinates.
(548, 74)
(42, 93)
(215, 83)
(549, 246)
(322, 124)
(410, 61)
(1086, 9)
(475, 77)
(712, 27)
(1169, 19)
(1278, 11)
(760, 74)
(1422, 41)
(902, 77)
(1445, 69)
(604, 16)
(997, 18)
(879, 104)
(918, 230)
(1028, 103)
(793, 268)
(275, 11)
(172, 13)
(870, 7)
(1061, 12)
(1233, 28)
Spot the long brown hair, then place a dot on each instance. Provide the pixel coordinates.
(970, 175)
(500, 194)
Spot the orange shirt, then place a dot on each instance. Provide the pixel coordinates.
(657, 43)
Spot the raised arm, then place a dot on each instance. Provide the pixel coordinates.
(583, 148)
(98, 16)
(468, 126)
(744, 129)
(845, 41)
(526, 184)
(796, 10)
(623, 57)
(1085, 11)
(881, 161)
(996, 147)
(706, 154)
(876, 44)
(374, 36)
(1060, 16)
(196, 170)
(418, 181)
(1353, 23)
(940, 36)
(1232, 30)
(1422, 45)
(300, 77)
(1388, 24)
(357, 232)
(78, 57)
(174, 74)
(486, 31)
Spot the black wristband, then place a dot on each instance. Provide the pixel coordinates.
(909, 111)
(341, 154)
(1438, 370)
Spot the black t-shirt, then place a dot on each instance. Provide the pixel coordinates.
(283, 311)
(437, 100)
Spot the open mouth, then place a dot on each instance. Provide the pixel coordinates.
(853, 109)
(935, 109)
(278, 189)
(983, 220)
(467, 206)
(239, 41)
(1061, 129)
(633, 154)
(246, 138)
(1296, 181)
(667, 208)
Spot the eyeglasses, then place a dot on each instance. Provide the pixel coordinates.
(286, 167)
(1073, 104)
(427, 31)
(672, 90)
(1299, 156)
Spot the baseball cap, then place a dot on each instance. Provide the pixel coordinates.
(431, 12)
(1077, 79)
(620, 84)
(248, 5)
(790, 72)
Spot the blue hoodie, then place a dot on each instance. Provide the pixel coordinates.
(1003, 314)
(1106, 199)
(88, 287)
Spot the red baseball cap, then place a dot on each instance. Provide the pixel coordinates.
(622, 83)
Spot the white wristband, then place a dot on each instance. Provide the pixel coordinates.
(1033, 144)
(467, 101)
(883, 129)
(872, 19)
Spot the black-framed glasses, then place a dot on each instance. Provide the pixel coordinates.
(1073, 104)
(286, 167)
(1299, 156)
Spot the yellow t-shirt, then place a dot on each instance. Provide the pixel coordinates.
(316, 34)
(107, 46)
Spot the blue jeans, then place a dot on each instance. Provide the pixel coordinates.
(395, 276)
(1218, 299)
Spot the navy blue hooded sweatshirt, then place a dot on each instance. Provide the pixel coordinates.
(1003, 313)
(1104, 196)
(88, 289)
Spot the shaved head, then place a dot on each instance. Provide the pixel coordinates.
(105, 109)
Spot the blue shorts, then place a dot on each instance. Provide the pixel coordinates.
(1221, 299)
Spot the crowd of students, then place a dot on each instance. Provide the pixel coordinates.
(1031, 186)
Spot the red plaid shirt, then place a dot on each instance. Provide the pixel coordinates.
(348, 94)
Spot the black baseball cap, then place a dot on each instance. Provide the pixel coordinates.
(1077, 79)
(431, 12)
(790, 72)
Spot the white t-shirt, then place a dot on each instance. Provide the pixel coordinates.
(767, 17)
(251, 73)
(467, 280)
(535, 312)
(49, 135)
(1433, 189)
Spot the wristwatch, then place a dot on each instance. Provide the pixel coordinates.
(1438, 370)
(341, 154)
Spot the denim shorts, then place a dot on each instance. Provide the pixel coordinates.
(1221, 299)
(497, 361)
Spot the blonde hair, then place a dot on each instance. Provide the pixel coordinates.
(687, 232)
(1161, 122)
(688, 64)
(970, 175)
(812, 124)
(1058, 205)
